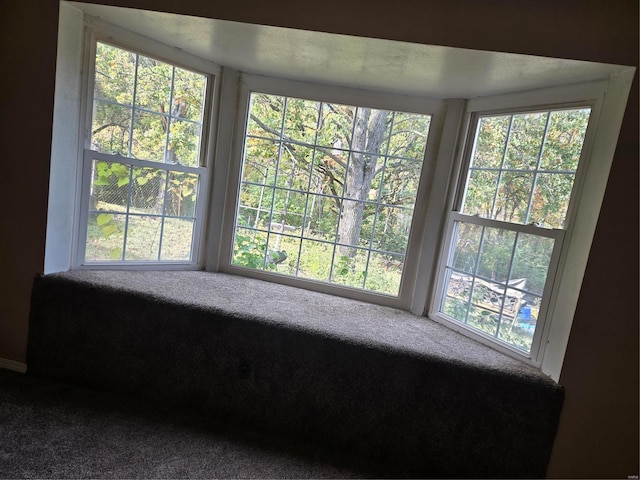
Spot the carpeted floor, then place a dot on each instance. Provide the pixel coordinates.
(53, 430)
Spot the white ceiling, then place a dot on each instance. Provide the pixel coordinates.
(435, 71)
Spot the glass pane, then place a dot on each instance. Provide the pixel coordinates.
(336, 127)
(491, 139)
(564, 140)
(483, 319)
(384, 273)
(350, 229)
(115, 72)
(525, 140)
(481, 192)
(182, 191)
(401, 179)
(143, 238)
(260, 161)
(153, 87)
(531, 261)
(519, 331)
(315, 260)
(329, 171)
(371, 132)
(255, 206)
(110, 128)
(301, 120)
(188, 94)
(184, 143)
(294, 167)
(282, 253)
(513, 197)
(350, 270)
(265, 116)
(149, 136)
(457, 294)
(467, 245)
(110, 186)
(495, 254)
(409, 135)
(177, 236)
(105, 237)
(147, 190)
(249, 248)
(322, 218)
(551, 199)
(392, 229)
(328, 167)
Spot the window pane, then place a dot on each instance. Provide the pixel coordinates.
(491, 140)
(315, 260)
(114, 74)
(409, 135)
(149, 136)
(335, 182)
(509, 279)
(149, 110)
(105, 237)
(188, 95)
(301, 122)
(177, 237)
(531, 261)
(153, 86)
(495, 254)
(466, 247)
(182, 191)
(184, 143)
(534, 182)
(143, 237)
(565, 138)
(481, 192)
(110, 128)
(513, 197)
(550, 201)
(265, 117)
(110, 186)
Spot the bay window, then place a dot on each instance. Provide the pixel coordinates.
(474, 210)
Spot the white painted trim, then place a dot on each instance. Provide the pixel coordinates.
(12, 365)
(121, 37)
(578, 242)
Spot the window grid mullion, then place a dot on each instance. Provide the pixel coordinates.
(504, 156)
(344, 190)
(126, 221)
(537, 170)
(275, 181)
(170, 117)
(133, 107)
(506, 288)
(309, 183)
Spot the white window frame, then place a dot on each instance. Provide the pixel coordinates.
(96, 32)
(580, 96)
(326, 93)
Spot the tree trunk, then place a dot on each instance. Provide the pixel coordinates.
(368, 136)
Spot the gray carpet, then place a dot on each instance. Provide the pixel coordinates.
(398, 390)
(53, 430)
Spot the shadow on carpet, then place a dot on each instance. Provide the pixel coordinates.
(54, 430)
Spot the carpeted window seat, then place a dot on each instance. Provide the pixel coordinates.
(402, 391)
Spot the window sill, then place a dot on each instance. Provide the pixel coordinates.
(347, 320)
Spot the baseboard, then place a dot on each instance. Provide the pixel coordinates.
(13, 365)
